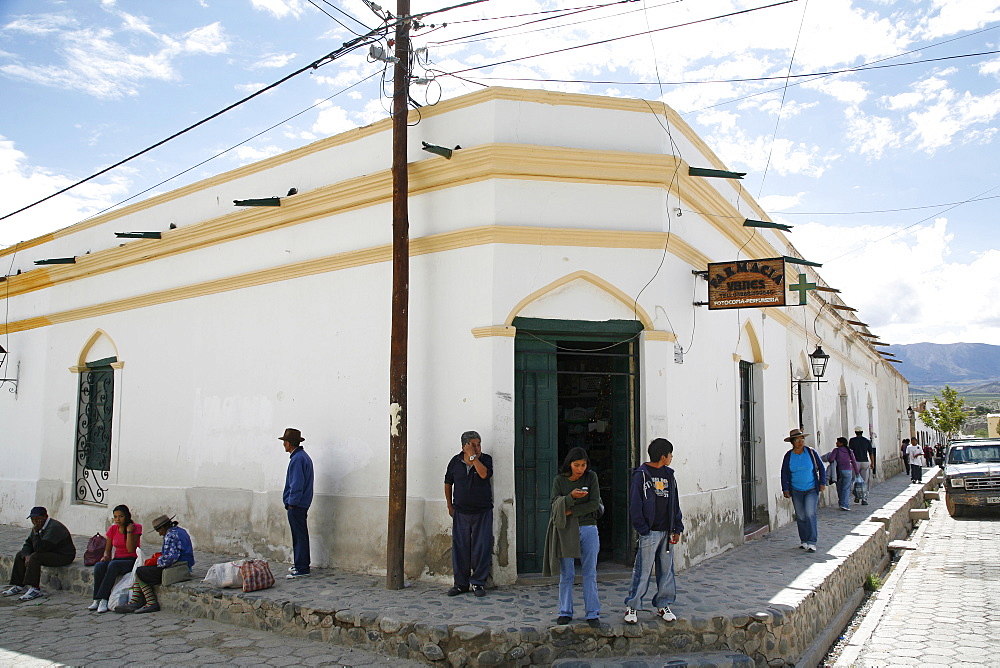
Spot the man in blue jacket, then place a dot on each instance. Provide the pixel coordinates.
(297, 498)
(656, 517)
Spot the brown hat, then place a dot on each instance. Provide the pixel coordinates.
(292, 436)
(162, 521)
(794, 434)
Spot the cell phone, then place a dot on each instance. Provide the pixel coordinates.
(585, 489)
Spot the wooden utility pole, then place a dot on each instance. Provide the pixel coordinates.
(396, 532)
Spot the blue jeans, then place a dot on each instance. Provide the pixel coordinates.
(107, 572)
(654, 552)
(806, 505)
(844, 481)
(590, 545)
(300, 537)
(471, 547)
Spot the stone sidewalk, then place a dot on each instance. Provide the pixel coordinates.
(767, 600)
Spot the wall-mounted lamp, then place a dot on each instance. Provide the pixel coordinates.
(138, 235)
(817, 361)
(439, 150)
(12, 381)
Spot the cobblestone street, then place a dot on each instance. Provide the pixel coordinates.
(59, 630)
(938, 607)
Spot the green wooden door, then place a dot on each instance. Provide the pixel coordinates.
(535, 450)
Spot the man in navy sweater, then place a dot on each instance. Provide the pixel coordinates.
(656, 517)
(469, 494)
(297, 498)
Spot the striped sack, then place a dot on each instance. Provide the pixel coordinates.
(256, 575)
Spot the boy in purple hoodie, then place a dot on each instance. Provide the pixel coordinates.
(656, 517)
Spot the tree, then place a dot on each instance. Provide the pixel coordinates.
(945, 414)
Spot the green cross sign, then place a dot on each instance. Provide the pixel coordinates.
(802, 287)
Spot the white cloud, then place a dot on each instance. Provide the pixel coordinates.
(280, 8)
(273, 61)
(40, 24)
(23, 184)
(247, 154)
(951, 114)
(870, 135)
(910, 289)
(779, 202)
(107, 63)
(842, 90)
(332, 120)
(954, 16)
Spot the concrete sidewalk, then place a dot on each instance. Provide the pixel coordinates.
(767, 600)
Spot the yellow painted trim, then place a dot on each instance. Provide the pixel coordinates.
(476, 164)
(475, 236)
(593, 279)
(78, 369)
(384, 125)
(494, 330)
(660, 335)
(737, 357)
(754, 341)
(98, 333)
(118, 365)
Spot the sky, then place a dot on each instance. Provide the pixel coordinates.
(888, 172)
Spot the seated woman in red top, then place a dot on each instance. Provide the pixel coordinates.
(123, 536)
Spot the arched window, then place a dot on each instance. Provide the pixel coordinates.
(94, 417)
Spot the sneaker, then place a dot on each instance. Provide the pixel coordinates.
(864, 503)
(564, 619)
(102, 606)
(128, 608)
(479, 590)
(14, 590)
(93, 606)
(804, 546)
(291, 569)
(296, 574)
(155, 607)
(455, 591)
(630, 616)
(811, 548)
(843, 508)
(31, 594)
(594, 623)
(667, 615)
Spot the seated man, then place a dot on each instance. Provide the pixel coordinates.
(48, 544)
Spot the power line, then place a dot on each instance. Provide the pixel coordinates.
(908, 208)
(539, 13)
(860, 68)
(615, 39)
(335, 19)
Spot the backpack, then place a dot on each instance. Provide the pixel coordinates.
(95, 549)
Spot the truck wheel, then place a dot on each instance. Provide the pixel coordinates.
(954, 509)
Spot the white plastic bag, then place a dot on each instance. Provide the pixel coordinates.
(122, 591)
(226, 574)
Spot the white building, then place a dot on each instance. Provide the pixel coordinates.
(551, 304)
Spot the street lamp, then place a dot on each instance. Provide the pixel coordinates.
(818, 360)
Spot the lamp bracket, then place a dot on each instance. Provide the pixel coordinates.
(13, 381)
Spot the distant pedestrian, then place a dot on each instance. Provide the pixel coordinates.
(915, 455)
(842, 457)
(655, 512)
(939, 451)
(572, 534)
(297, 497)
(928, 455)
(903, 453)
(865, 456)
(469, 493)
(803, 477)
(49, 543)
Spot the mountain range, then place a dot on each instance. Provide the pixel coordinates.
(964, 366)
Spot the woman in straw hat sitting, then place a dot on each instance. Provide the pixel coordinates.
(175, 564)
(803, 477)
